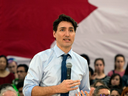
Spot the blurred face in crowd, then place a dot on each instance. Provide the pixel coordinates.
(99, 66)
(21, 73)
(119, 62)
(9, 93)
(126, 94)
(115, 81)
(20, 91)
(64, 35)
(98, 84)
(104, 92)
(115, 93)
(12, 67)
(3, 63)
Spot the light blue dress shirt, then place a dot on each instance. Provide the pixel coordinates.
(45, 70)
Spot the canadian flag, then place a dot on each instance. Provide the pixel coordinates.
(26, 27)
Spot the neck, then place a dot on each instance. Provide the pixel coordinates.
(2, 71)
(100, 74)
(65, 49)
(119, 69)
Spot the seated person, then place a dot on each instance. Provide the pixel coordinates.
(7, 90)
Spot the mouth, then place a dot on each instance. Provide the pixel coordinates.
(67, 40)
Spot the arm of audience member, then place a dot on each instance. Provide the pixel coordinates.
(64, 87)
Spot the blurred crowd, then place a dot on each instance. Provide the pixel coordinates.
(12, 77)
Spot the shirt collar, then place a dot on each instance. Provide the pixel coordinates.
(59, 52)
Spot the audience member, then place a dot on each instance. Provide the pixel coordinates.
(99, 91)
(98, 83)
(22, 70)
(90, 69)
(115, 92)
(115, 80)
(12, 66)
(119, 65)
(7, 90)
(125, 77)
(99, 65)
(125, 92)
(5, 76)
(20, 87)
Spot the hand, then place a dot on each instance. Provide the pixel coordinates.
(90, 94)
(68, 85)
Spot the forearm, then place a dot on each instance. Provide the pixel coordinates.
(45, 91)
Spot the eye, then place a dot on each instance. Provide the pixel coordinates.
(62, 30)
(71, 30)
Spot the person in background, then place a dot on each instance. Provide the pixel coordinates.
(99, 91)
(5, 76)
(125, 92)
(98, 83)
(90, 69)
(115, 92)
(20, 87)
(7, 90)
(125, 77)
(12, 66)
(99, 65)
(22, 70)
(119, 65)
(115, 80)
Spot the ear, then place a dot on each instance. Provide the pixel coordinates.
(54, 34)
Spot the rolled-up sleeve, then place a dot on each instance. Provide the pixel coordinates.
(33, 76)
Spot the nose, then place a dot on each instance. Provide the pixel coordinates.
(67, 33)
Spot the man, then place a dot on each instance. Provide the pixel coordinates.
(7, 90)
(20, 87)
(22, 70)
(45, 75)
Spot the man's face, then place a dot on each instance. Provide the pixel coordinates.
(105, 92)
(21, 73)
(64, 35)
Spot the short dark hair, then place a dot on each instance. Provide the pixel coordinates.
(118, 55)
(5, 59)
(23, 65)
(64, 17)
(86, 57)
(20, 84)
(100, 81)
(126, 70)
(115, 74)
(119, 90)
(98, 88)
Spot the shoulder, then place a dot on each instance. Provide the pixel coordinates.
(44, 54)
(77, 56)
(110, 73)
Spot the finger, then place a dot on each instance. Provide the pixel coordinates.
(86, 93)
(82, 93)
(79, 93)
(73, 88)
(74, 84)
(75, 94)
(91, 91)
